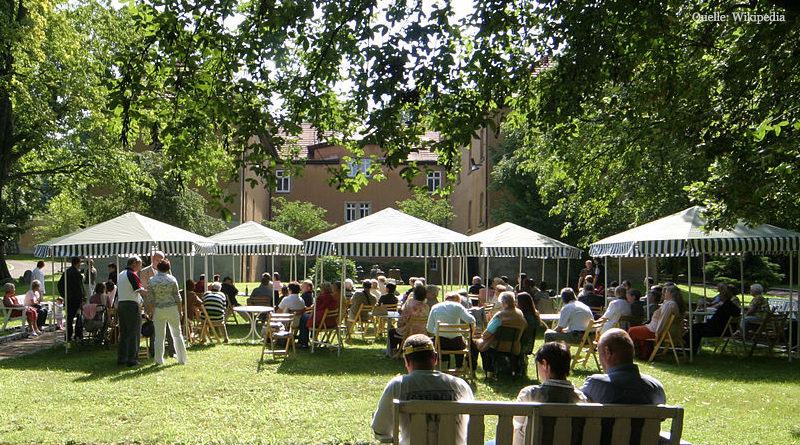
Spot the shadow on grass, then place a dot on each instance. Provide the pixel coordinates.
(731, 368)
(141, 371)
(352, 361)
(93, 362)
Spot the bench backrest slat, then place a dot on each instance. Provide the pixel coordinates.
(436, 421)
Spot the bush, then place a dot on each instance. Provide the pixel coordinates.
(757, 269)
(332, 269)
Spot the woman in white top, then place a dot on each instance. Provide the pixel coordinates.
(673, 305)
(618, 308)
(33, 299)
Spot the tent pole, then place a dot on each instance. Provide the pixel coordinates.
(619, 270)
(54, 291)
(441, 271)
(558, 272)
(205, 271)
(341, 303)
(646, 274)
(213, 267)
(705, 297)
(741, 275)
(520, 272)
(542, 278)
(272, 273)
(425, 269)
(791, 305)
(185, 300)
(567, 284)
(233, 268)
(487, 280)
(305, 265)
(605, 275)
(691, 319)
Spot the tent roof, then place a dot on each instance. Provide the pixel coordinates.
(252, 238)
(127, 234)
(391, 233)
(511, 240)
(682, 234)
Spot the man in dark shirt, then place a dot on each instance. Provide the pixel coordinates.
(591, 299)
(307, 287)
(389, 297)
(230, 291)
(588, 270)
(477, 285)
(622, 383)
(714, 326)
(73, 294)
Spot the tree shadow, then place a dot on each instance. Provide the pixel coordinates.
(141, 370)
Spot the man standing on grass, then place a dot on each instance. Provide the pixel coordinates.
(38, 274)
(70, 288)
(421, 383)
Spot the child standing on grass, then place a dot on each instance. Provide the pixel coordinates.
(59, 313)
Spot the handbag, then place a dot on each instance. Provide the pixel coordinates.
(148, 328)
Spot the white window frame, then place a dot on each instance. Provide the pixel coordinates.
(283, 181)
(354, 210)
(359, 165)
(434, 181)
(364, 209)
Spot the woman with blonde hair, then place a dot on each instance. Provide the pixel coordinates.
(673, 305)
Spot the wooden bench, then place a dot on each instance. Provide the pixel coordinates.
(434, 422)
(7, 313)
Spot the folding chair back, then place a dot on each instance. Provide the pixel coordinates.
(664, 339)
(279, 336)
(361, 321)
(208, 328)
(588, 344)
(449, 330)
(771, 331)
(729, 333)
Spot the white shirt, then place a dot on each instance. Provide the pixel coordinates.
(448, 312)
(575, 316)
(618, 308)
(292, 302)
(125, 290)
(419, 385)
(32, 297)
(37, 274)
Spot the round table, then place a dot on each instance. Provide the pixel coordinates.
(548, 319)
(251, 313)
(389, 317)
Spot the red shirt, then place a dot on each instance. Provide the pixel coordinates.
(324, 301)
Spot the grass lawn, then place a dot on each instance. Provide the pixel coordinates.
(219, 397)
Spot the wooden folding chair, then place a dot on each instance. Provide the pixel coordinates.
(361, 321)
(379, 327)
(729, 333)
(465, 331)
(664, 339)
(229, 312)
(508, 346)
(279, 330)
(329, 336)
(208, 328)
(771, 331)
(588, 345)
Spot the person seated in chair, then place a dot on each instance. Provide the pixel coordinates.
(673, 305)
(262, 295)
(363, 296)
(307, 289)
(450, 311)
(421, 383)
(477, 285)
(326, 299)
(716, 324)
(621, 307)
(293, 303)
(10, 300)
(591, 299)
(573, 320)
(759, 307)
(409, 323)
(552, 363)
(230, 291)
(215, 304)
(509, 315)
(390, 297)
(622, 383)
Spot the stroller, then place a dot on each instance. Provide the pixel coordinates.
(95, 323)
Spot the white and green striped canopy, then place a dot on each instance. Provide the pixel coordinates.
(511, 240)
(391, 233)
(128, 234)
(252, 238)
(682, 234)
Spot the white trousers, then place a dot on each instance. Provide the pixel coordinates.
(163, 316)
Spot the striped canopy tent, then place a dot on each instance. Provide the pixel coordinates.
(511, 240)
(394, 234)
(252, 238)
(683, 235)
(125, 235)
(391, 233)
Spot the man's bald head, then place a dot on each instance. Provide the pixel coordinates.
(616, 348)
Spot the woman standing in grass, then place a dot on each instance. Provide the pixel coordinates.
(163, 295)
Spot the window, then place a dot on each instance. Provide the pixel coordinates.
(433, 263)
(283, 182)
(356, 210)
(481, 208)
(469, 215)
(434, 181)
(359, 165)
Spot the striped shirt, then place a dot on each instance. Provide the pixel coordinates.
(215, 305)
